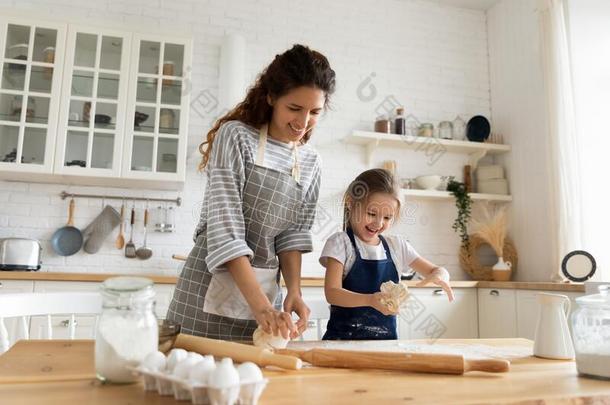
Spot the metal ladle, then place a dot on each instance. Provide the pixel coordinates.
(144, 252)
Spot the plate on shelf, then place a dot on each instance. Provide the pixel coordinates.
(478, 129)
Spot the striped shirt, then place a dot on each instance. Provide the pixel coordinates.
(222, 214)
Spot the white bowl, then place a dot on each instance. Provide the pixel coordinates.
(430, 182)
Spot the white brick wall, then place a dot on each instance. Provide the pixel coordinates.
(431, 58)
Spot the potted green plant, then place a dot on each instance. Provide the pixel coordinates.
(463, 202)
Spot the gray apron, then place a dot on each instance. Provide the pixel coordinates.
(212, 305)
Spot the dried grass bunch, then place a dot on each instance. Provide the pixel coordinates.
(490, 223)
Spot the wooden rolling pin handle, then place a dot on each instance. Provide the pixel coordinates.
(283, 361)
(237, 351)
(488, 365)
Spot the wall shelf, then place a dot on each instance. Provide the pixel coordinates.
(419, 143)
(446, 195)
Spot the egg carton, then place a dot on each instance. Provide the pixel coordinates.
(221, 389)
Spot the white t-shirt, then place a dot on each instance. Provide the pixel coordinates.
(340, 248)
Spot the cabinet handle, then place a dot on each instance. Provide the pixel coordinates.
(438, 292)
(66, 322)
(495, 293)
(312, 324)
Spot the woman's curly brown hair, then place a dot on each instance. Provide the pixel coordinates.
(298, 66)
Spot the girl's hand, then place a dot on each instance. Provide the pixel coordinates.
(275, 322)
(435, 278)
(295, 303)
(375, 302)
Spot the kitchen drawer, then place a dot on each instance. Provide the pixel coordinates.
(84, 329)
(430, 315)
(497, 313)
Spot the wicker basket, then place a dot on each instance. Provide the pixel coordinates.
(469, 260)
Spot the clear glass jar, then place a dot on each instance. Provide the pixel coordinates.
(591, 333)
(383, 124)
(426, 129)
(127, 329)
(459, 129)
(445, 130)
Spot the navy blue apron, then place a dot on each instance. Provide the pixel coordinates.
(364, 323)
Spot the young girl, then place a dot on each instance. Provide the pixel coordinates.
(359, 260)
(259, 206)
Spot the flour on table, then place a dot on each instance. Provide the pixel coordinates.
(470, 351)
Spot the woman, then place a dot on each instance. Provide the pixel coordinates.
(259, 206)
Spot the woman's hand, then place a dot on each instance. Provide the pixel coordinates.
(275, 322)
(435, 278)
(375, 302)
(295, 303)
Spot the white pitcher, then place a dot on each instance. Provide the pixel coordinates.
(553, 340)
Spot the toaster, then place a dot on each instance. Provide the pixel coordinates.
(20, 254)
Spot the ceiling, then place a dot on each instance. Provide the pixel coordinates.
(472, 4)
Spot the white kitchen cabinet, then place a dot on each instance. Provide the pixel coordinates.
(14, 326)
(85, 324)
(497, 313)
(158, 107)
(430, 315)
(31, 58)
(94, 98)
(528, 310)
(101, 106)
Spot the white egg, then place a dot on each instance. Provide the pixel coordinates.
(195, 355)
(200, 373)
(249, 373)
(174, 357)
(224, 375)
(183, 368)
(155, 361)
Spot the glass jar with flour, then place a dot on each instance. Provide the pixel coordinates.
(127, 328)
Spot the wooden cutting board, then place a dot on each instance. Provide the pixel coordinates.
(47, 360)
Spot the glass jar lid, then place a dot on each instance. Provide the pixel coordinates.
(136, 287)
(601, 300)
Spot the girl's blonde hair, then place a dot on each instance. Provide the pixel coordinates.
(298, 66)
(366, 184)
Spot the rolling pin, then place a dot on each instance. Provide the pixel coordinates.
(418, 362)
(237, 351)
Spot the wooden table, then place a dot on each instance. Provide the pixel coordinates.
(530, 381)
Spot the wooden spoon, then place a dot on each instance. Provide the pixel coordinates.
(120, 240)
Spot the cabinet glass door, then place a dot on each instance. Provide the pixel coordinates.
(29, 86)
(159, 109)
(95, 91)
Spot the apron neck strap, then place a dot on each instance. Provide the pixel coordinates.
(352, 238)
(262, 145)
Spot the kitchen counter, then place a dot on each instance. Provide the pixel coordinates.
(305, 281)
(530, 381)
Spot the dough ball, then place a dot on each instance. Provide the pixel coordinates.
(394, 295)
(268, 341)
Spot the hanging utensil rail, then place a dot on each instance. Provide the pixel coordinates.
(65, 194)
